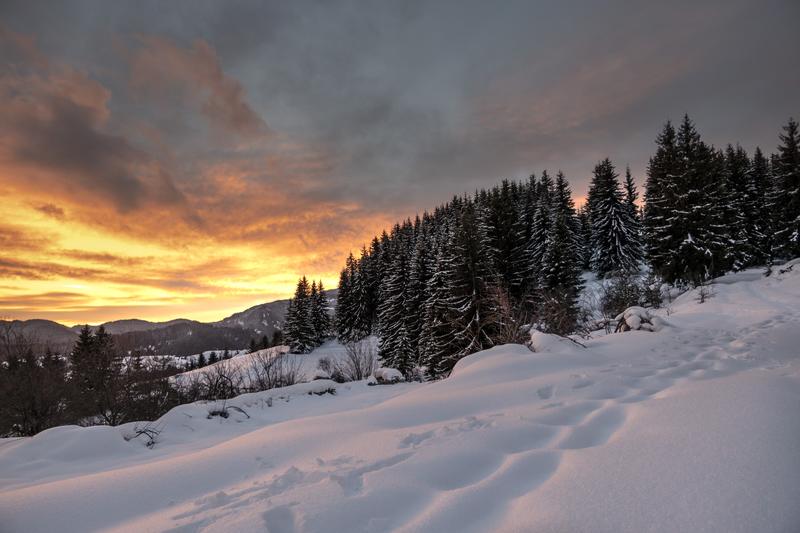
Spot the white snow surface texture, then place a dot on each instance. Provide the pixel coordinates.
(692, 428)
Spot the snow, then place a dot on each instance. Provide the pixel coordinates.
(388, 375)
(639, 318)
(691, 428)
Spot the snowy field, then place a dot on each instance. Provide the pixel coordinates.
(691, 428)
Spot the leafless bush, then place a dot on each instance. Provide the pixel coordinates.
(224, 411)
(619, 293)
(221, 381)
(359, 362)
(149, 431)
(704, 292)
(558, 312)
(269, 370)
(651, 291)
(511, 322)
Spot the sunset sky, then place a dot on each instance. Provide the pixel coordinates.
(191, 159)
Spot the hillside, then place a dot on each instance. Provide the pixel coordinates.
(691, 428)
(264, 319)
(44, 331)
(130, 324)
(174, 337)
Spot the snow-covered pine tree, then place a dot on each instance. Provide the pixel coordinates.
(660, 197)
(421, 268)
(540, 229)
(360, 286)
(614, 240)
(344, 305)
(370, 275)
(563, 205)
(698, 223)
(434, 344)
(523, 224)
(631, 195)
(737, 210)
(585, 236)
(393, 345)
(560, 280)
(469, 308)
(759, 185)
(502, 231)
(786, 203)
(687, 240)
(299, 329)
(320, 319)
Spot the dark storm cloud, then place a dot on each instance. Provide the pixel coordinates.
(411, 102)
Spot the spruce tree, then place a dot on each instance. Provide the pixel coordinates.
(660, 196)
(615, 242)
(759, 182)
(300, 334)
(394, 342)
(319, 315)
(786, 204)
(540, 229)
(344, 317)
(739, 210)
(434, 344)
(698, 223)
(416, 291)
(468, 304)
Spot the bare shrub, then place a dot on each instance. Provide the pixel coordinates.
(224, 411)
(149, 431)
(618, 294)
(269, 370)
(221, 381)
(704, 292)
(359, 362)
(558, 311)
(512, 322)
(651, 291)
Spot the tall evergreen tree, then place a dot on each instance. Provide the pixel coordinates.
(319, 312)
(685, 210)
(540, 229)
(660, 196)
(615, 240)
(759, 187)
(698, 224)
(468, 306)
(299, 327)
(786, 204)
(394, 341)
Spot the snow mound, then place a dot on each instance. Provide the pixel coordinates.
(638, 318)
(388, 375)
(693, 428)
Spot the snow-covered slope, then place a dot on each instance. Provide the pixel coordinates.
(691, 428)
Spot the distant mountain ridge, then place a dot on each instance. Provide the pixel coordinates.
(130, 324)
(179, 336)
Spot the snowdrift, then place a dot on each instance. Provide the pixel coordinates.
(690, 428)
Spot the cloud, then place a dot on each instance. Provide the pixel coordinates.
(52, 141)
(161, 67)
(51, 210)
(19, 238)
